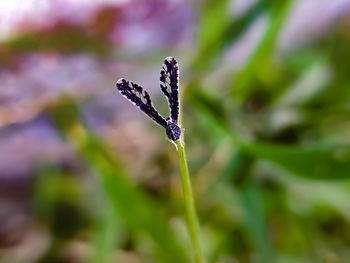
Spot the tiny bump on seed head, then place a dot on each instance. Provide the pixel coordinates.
(169, 59)
(120, 81)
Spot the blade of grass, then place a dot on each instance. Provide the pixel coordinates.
(106, 234)
(192, 219)
(332, 162)
(252, 203)
(213, 20)
(235, 179)
(226, 33)
(277, 16)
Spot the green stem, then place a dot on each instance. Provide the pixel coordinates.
(192, 220)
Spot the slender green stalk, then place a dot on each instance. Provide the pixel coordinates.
(192, 220)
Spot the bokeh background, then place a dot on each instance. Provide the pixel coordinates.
(265, 92)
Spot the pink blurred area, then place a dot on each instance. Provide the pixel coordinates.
(50, 49)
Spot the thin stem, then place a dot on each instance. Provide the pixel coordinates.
(192, 220)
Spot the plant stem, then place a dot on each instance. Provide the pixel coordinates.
(192, 220)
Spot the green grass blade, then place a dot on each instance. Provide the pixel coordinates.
(311, 162)
(192, 219)
(278, 14)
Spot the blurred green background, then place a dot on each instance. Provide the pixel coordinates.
(265, 91)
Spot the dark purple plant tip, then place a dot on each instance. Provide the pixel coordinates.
(169, 85)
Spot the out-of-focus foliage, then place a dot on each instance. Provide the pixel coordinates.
(86, 177)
